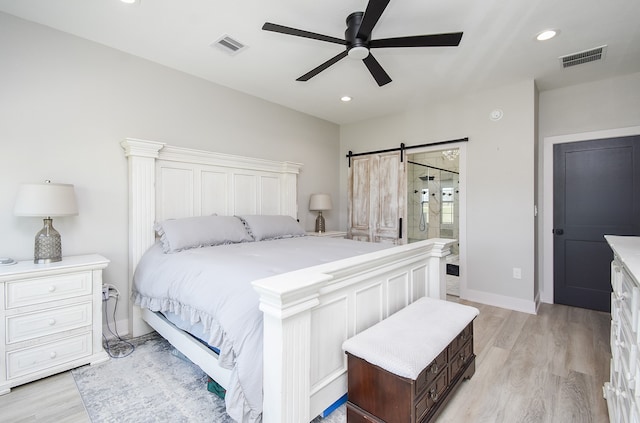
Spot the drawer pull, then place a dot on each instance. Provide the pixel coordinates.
(433, 394)
(53, 354)
(461, 357)
(435, 368)
(52, 288)
(52, 322)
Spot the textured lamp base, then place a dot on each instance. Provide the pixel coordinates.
(48, 245)
(320, 223)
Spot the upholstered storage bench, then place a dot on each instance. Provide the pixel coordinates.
(404, 368)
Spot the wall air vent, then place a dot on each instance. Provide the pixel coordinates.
(581, 57)
(228, 44)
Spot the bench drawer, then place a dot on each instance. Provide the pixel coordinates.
(433, 395)
(432, 371)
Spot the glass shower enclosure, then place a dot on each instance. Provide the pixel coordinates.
(432, 196)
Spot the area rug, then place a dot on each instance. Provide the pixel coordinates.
(154, 384)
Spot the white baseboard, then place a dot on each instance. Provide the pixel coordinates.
(510, 303)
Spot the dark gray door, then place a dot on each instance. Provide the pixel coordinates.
(596, 192)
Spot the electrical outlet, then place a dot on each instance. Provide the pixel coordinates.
(105, 292)
(517, 273)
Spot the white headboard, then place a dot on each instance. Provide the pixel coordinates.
(173, 182)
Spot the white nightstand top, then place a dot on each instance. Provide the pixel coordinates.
(28, 266)
(331, 234)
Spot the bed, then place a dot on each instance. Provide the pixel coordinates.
(306, 313)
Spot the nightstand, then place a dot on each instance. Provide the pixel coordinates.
(51, 318)
(330, 234)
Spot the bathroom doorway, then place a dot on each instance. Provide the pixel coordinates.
(433, 204)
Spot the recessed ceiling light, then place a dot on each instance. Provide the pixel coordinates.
(129, 1)
(345, 98)
(547, 34)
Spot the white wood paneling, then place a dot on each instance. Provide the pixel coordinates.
(176, 192)
(368, 307)
(270, 193)
(245, 194)
(397, 293)
(214, 193)
(329, 328)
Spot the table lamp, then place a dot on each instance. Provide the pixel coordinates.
(46, 200)
(320, 202)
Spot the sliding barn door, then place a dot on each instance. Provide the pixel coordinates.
(376, 207)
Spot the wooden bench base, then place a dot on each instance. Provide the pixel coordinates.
(376, 395)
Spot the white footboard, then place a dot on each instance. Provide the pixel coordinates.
(309, 313)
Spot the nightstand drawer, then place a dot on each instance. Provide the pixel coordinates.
(42, 357)
(22, 327)
(39, 290)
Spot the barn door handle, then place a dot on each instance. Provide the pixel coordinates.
(558, 231)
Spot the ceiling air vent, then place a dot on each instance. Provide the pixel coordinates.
(229, 45)
(581, 57)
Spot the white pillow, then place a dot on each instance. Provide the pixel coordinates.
(263, 227)
(200, 231)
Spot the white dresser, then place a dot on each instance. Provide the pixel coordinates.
(622, 392)
(51, 318)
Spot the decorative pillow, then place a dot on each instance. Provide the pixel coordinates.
(200, 231)
(263, 227)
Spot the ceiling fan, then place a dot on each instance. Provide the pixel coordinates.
(358, 41)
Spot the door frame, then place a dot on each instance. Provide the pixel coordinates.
(462, 206)
(545, 246)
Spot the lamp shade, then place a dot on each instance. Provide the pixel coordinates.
(46, 200)
(320, 202)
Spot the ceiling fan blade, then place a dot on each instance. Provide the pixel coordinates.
(268, 26)
(434, 40)
(307, 76)
(371, 17)
(381, 77)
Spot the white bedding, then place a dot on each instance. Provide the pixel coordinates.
(212, 285)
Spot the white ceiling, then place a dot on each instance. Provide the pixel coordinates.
(498, 46)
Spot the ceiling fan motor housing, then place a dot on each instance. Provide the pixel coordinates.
(357, 48)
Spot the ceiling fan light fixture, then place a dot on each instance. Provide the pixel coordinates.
(358, 52)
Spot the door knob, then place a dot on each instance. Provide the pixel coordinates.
(558, 231)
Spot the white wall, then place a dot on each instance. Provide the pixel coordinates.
(499, 181)
(65, 105)
(601, 109)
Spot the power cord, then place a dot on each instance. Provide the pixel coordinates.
(124, 347)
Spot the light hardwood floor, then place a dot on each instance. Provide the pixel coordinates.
(548, 367)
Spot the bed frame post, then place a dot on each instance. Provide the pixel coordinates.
(142, 204)
(289, 183)
(287, 342)
(437, 278)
